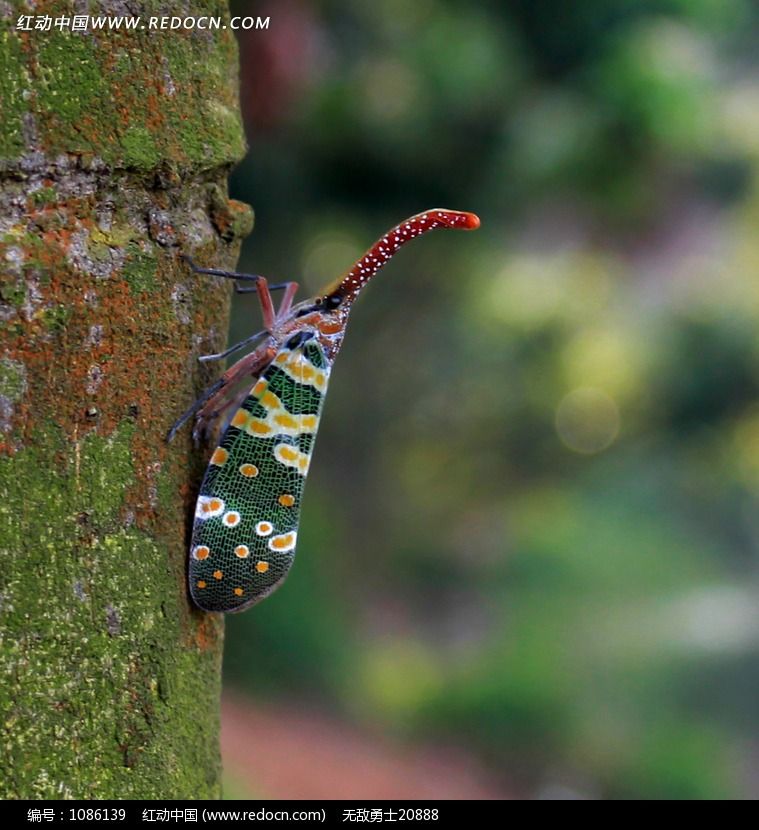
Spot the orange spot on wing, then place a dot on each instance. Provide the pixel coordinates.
(241, 418)
(249, 470)
(286, 500)
(217, 574)
(238, 592)
(219, 456)
(242, 551)
(286, 421)
(262, 567)
(282, 542)
(201, 583)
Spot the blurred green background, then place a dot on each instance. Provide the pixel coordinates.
(530, 531)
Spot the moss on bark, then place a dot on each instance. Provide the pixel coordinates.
(114, 152)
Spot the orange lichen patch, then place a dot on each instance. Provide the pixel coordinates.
(264, 528)
(249, 470)
(258, 427)
(217, 574)
(286, 500)
(262, 567)
(231, 518)
(240, 419)
(201, 552)
(242, 551)
(202, 583)
(283, 542)
(207, 634)
(238, 592)
(219, 457)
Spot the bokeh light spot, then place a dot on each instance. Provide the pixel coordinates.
(587, 420)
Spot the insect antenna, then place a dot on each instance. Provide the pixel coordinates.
(185, 416)
(232, 349)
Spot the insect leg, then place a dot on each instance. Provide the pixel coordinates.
(228, 394)
(252, 289)
(233, 275)
(212, 401)
(287, 299)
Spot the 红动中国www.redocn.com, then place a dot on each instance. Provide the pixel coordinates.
(165, 23)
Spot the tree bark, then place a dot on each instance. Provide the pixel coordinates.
(114, 152)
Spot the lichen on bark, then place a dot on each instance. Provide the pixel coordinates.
(114, 153)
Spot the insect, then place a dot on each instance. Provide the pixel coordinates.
(246, 519)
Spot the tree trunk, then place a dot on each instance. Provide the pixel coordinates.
(114, 152)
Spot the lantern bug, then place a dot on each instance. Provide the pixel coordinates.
(246, 519)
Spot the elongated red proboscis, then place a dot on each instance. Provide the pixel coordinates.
(348, 286)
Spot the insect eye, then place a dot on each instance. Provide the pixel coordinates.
(331, 302)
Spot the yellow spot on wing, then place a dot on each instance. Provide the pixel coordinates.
(240, 419)
(257, 427)
(291, 457)
(270, 401)
(286, 452)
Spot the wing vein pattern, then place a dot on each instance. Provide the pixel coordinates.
(246, 521)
